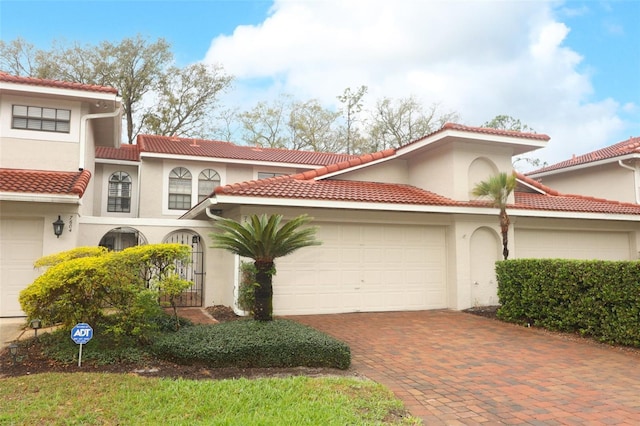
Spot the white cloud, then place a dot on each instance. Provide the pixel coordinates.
(480, 59)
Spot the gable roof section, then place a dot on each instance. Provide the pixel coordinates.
(630, 146)
(31, 81)
(336, 190)
(491, 131)
(226, 150)
(307, 186)
(44, 182)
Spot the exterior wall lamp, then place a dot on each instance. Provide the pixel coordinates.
(58, 227)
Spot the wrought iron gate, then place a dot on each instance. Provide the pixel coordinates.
(192, 271)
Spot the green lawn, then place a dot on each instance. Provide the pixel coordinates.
(108, 399)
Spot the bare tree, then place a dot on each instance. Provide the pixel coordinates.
(185, 97)
(397, 122)
(352, 106)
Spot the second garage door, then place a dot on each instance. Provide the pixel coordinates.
(364, 267)
(530, 243)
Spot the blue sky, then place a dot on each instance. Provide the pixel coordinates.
(568, 69)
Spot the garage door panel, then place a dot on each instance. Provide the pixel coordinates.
(21, 245)
(572, 244)
(364, 267)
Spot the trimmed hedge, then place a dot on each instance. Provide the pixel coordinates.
(595, 298)
(249, 343)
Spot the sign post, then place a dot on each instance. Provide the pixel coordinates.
(81, 333)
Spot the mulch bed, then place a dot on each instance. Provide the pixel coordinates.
(33, 361)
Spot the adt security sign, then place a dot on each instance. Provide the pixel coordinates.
(81, 333)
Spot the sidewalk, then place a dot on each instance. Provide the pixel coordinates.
(11, 329)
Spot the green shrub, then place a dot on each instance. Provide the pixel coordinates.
(117, 291)
(249, 343)
(594, 298)
(246, 292)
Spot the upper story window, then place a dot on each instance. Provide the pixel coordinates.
(264, 175)
(119, 199)
(179, 189)
(42, 119)
(207, 181)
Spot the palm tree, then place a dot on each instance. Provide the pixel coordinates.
(497, 189)
(262, 239)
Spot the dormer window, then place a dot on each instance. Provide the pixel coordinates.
(119, 193)
(179, 189)
(41, 119)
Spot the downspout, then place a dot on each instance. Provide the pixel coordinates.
(635, 179)
(83, 131)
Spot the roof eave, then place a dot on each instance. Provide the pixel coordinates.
(583, 165)
(40, 198)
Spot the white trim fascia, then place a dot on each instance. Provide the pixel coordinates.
(357, 167)
(138, 221)
(347, 205)
(227, 160)
(415, 208)
(57, 91)
(39, 198)
(584, 166)
(573, 215)
(117, 162)
(528, 185)
(459, 134)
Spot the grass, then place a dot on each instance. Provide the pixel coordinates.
(99, 398)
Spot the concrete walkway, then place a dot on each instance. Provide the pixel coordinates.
(11, 329)
(452, 368)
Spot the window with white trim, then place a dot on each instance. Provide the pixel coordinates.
(41, 119)
(119, 199)
(207, 181)
(265, 175)
(179, 189)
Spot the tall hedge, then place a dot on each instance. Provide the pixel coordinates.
(595, 298)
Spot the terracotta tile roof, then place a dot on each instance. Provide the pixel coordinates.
(44, 182)
(8, 78)
(336, 190)
(228, 150)
(486, 130)
(620, 149)
(125, 152)
(573, 203)
(305, 186)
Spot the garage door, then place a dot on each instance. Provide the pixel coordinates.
(531, 243)
(21, 245)
(364, 268)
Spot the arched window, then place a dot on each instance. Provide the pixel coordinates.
(207, 181)
(179, 189)
(119, 198)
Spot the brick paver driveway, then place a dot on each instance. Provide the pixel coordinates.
(455, 368)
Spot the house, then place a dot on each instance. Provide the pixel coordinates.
(612, 172)
(400, 229)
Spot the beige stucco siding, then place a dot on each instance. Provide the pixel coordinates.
(609, 181)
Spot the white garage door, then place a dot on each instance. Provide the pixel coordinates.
(531, 243)
(20, 246)
(364, 268)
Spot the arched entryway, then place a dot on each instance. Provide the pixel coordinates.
(485, 251)
(192, 271)
(119, 239)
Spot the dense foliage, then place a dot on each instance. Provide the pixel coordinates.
(263, 238)
(595, 298)
(118, 291)
(249, 343)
